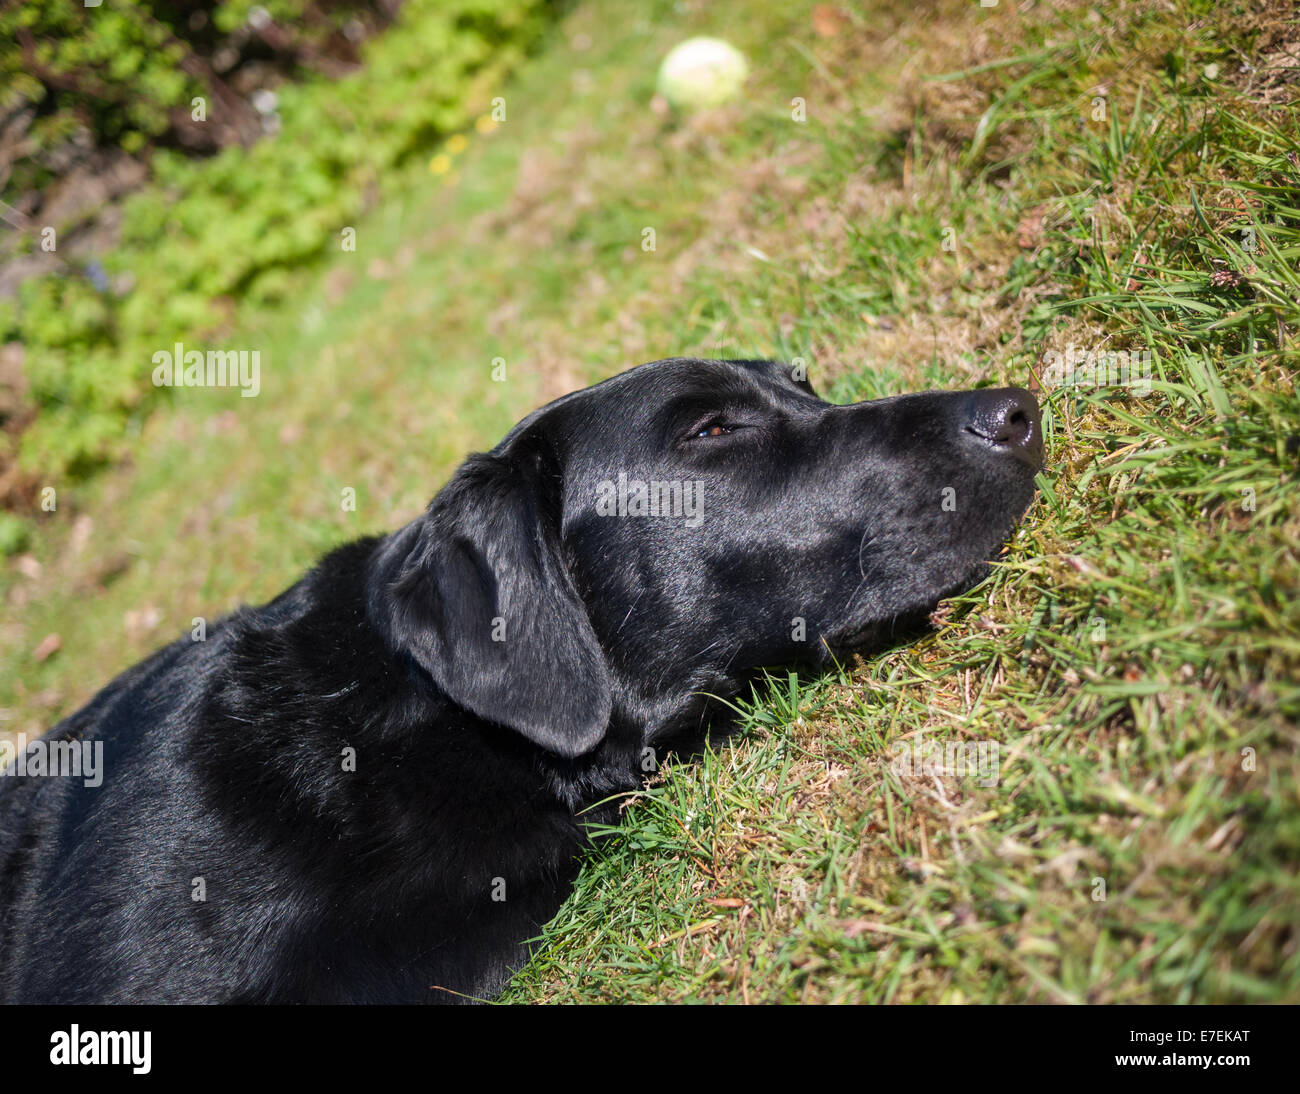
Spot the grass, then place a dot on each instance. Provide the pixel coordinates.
(973, 190)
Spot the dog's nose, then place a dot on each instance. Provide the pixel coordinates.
(1007, 420)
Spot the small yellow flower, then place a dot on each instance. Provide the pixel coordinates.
(485, 124)
(456, 145)
(440, 164)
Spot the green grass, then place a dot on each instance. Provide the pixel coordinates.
(1139, 636)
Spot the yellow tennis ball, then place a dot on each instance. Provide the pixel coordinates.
(702, 72)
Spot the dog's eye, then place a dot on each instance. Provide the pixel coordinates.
(714, 425)
(708, 427)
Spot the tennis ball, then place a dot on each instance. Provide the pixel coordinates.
(702, 72)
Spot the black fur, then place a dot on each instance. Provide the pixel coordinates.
(225, 759)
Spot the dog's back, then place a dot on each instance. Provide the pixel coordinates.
(232, 853)
(67, 848)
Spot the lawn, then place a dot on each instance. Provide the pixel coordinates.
(939, 196)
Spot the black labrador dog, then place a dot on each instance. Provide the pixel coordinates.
(375, 787)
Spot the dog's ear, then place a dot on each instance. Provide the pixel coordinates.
(477, 592)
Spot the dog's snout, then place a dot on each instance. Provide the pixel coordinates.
(1007, 421)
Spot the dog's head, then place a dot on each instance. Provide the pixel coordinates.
(688, 521)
